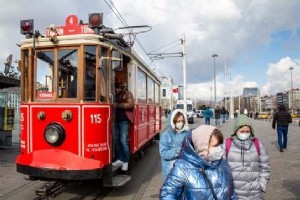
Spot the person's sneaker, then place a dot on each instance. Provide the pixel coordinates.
(117, 163)
(284, 147)
(281, 150)
(124, 166)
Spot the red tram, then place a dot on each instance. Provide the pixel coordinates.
(67, 121)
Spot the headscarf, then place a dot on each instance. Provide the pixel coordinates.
(200, 139)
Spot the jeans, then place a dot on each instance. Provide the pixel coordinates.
(282, 132)
(217, 121)
(121, 141)
(207, 121)
(223, 118)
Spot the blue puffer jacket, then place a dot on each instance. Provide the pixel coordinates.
(187, 182)
(170, 144)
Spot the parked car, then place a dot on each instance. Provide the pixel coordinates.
(199, 113)
(295, 115)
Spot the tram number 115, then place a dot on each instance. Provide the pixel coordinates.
(95, 118)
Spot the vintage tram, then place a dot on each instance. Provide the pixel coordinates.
(67, 119)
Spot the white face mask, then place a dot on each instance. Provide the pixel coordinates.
(243, 136)
(179, 126)
(215, 153)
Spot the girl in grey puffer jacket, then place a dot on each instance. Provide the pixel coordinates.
(249, 162)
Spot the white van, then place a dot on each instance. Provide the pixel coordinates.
(189, 109)
(199, 113)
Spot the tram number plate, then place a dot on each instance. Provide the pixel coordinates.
(95, 118)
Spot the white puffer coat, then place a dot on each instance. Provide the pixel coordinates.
(250, 171)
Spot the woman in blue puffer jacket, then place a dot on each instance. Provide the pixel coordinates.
(171, 141)
(200, 172)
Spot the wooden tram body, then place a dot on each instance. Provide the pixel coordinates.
(67, 134)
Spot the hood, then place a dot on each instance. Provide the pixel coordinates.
(189, 154)
(171, 118)
(282, 107)
(200, 139)
(195, 147)
(242, 120)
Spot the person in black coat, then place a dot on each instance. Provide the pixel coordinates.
(282, 118)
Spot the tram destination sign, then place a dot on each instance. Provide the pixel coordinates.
(71, 27)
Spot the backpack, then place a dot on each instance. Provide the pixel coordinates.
(229, 142)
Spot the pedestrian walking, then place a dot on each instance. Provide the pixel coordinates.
(282, 118)
(248, 159)
(201, 172)
(217, 116)
(208, 114)
(223, 114)
(171, 140)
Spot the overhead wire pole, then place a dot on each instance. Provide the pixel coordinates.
(184, 74)
(215, 84)
(231, 100)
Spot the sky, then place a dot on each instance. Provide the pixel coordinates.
(257, 40)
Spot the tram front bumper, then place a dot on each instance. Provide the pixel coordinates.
(58, 164)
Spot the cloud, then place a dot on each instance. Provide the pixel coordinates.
(279, 76)
(231, 29)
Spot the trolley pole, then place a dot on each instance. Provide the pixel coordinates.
(184, 74)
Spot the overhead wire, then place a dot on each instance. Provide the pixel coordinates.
(123, 21)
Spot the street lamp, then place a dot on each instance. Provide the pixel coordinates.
(214, 56)
(292, 68)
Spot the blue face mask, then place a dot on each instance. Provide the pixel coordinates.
(243, 136)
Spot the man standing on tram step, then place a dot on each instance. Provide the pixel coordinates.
(124, 108)
(283, 118)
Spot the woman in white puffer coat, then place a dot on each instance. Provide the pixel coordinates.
(249, 161)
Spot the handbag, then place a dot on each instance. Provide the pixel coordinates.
(130, 116)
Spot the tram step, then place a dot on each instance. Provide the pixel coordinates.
(118, 180)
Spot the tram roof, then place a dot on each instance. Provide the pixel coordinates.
(91, 39)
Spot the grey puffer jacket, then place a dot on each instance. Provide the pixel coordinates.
(250, 170)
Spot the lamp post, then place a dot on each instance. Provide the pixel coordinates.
(214, 56)
(292, 68)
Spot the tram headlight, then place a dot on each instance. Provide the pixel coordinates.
(95, 20)
(54, 134)
(26, 27)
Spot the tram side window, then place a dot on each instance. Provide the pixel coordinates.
(67, 73)
(150, 90)
(157, 96)
(90, 73)
(44, 75)
(141, 89)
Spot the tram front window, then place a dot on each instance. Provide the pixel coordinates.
(67, 73)
(44, 75)
(90, 73)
